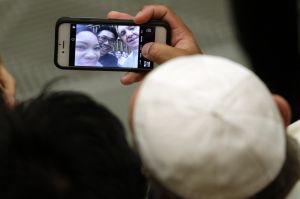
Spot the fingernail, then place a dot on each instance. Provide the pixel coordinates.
(108, 15)
(138, 14)
(146, 48)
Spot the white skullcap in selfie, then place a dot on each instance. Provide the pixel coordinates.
(206, 127)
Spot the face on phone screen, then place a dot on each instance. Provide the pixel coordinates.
(106, 45)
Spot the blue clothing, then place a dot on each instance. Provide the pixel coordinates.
(108, 60)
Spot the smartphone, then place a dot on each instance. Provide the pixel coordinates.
(106, 44)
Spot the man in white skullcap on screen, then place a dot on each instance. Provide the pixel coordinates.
(208, 128)
(130, 36)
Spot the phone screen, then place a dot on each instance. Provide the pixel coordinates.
(109, 45)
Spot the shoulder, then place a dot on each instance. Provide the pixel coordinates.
(295, 193)
(108, 60)
(294, 130)
(109, 56)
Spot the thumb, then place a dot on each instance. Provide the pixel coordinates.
(160, 53)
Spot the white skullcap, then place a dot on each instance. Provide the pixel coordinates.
(206, 127)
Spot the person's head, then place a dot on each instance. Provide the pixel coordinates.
(65, 145)
(206, 127)
(118, 54)
(107, 37)
(129, 35)
(87, 49)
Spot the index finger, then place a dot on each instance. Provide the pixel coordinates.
(159, 12)
(118, 15)
(181, 35)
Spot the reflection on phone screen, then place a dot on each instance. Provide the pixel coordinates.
(107, 45)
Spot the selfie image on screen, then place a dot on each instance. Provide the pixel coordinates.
(102, 45)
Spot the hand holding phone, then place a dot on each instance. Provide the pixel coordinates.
(7, 87)
(101, 44)
(182, 41)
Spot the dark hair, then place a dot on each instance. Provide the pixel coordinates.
(108, 28)
(288, 176)
(82, 27)
(64, 145)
